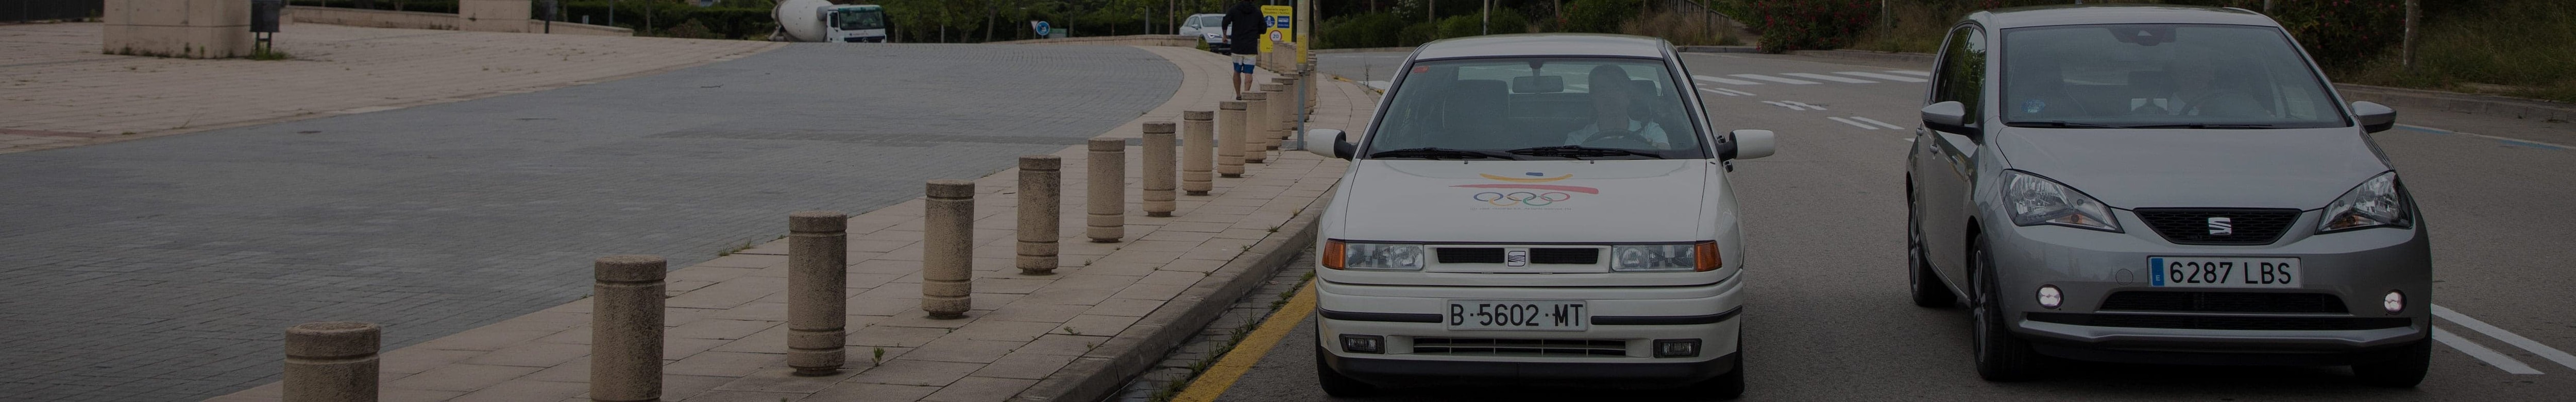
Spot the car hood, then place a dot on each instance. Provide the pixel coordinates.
(1491, 201)
(2128, 169)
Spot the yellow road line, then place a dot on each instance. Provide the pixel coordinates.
(1222, 375)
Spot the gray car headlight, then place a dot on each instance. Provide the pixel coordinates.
(2375, 203)
(1654, 257)
(1402, 257)
(2039, 201)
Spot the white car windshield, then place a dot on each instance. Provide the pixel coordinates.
(1520, 108)
(2160, 75)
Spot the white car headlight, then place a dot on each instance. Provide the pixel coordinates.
(2039, 201)
(1401, 257)
(2375, 203)
(1653, 257)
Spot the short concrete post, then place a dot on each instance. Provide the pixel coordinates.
(1256, 126)
(1041, 212)
(1198, 132)
(1158, 168)
(1306, 81)
(948, 246)
(1108, 199)
(818, 259)
(1230, 137)
(331, 361)
(1282, 103)
(626, 328)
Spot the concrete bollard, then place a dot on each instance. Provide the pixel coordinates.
(1306, 78)
(1158, 169)
(1198, 131)
(626, 328)
(331, 361)
(1108, 199)
(818, 258)
(1230, 136)
(1282, 106)
(948, 247)
(1041, 212)
(1256, 126)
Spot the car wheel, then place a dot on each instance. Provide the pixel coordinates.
(1334, 382)
(1927, 289)
(2000, 355)
(2402, 371)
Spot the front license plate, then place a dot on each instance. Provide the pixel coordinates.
(1525, 315)
(2223, 272)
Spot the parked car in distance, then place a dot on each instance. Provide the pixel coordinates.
(1209, 28)
(2161, 184)
(1535, 209)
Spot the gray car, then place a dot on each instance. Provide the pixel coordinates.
(2159, 184)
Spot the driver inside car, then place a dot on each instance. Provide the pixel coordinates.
(1612, 96)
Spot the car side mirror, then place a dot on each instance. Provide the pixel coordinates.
(1947, 116)
(2374, 116)
(1340, 148)
(1751, 144)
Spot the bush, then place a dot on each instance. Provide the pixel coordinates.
(1418, 34)
(1379, 29)
(1599, 16)
(2340, 33)
(1788, 25)
(1505, 21)
(1682, 28)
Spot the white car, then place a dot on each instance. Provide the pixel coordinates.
(1490, 231)
(1207, 27)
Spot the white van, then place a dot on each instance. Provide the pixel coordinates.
(1535, 209)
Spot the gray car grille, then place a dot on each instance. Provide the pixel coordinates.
(2250, 227)
(1538, 255)
(1521, 347)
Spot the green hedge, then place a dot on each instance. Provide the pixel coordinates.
(1379, 29)
(1599, 16)
(1505, 21)
(1788, 25)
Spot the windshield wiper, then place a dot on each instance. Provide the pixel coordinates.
(2207, 126)
(1439, 153)
(2061, 124)
(1578, 152)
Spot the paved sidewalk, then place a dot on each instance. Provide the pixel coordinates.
(57, 90)
(1029, 336)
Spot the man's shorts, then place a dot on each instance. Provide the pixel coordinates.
(1243, 64)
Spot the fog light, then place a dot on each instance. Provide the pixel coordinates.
(2395, 302)
(1676, 347)
(1363, 344)
(2049, 297)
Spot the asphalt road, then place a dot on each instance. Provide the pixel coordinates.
(1829, 317)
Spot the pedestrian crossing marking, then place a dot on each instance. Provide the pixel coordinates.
(1879, 123)
(1830, 78)
(1723, 80)
(1777, 79)
(1853, 123)
(1911, 72)
(1889, 77)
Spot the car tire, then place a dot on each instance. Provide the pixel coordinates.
(1333, 382)
(1927, 289)
(2402, 371)
(2000, 356)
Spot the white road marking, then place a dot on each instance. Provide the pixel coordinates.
(1736, 91)
(1777, 79)
(1718, 92)
(2473, 349)
(1830, 78)
(1889, 77)
(1723, 80)
(1804, 104)
(1880, 123)
(1784, 104)
(2545, 352)
(1727, 92)
(1853, 123)
(1911, 72)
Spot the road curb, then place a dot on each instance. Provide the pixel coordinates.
(1716, 49)
(2489, 105)
(1104, 371)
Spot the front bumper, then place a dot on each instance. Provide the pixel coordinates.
(2356, 267)
(1635, 316)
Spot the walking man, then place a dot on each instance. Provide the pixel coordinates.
(1243, 28)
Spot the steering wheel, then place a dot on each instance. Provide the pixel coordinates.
(1608, 138)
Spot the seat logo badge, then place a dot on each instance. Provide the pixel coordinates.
(1517, 257)
(2221, 226)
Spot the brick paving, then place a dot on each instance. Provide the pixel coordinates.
(57, 90)
(725, 340)
(166, 268)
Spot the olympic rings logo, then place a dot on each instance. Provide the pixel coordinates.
(1522, 198)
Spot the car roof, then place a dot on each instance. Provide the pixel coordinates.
(1545, 44)
(2090, 14)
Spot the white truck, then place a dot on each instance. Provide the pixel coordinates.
(822, 21)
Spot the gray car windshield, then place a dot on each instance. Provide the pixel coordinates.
(1537, 109)
(2160, 75)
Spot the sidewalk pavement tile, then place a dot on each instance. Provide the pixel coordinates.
(744, 396)
(962, 350)
(408, 395)
(415, 360)
(723, 364)
(1150, 292)
(1125, 307)
(532, 354)
(512, 391)
(1036, 312)
(871, 392)
(1094, 324)
(917, 372)
(881, 335)
(684, 387)
(484, 340)
(1180, 278)
(1019, 332)
(1031, 366)
(461, 377)
(1065, 345)
(981, 389)
(770, 340)
(720, 329)
(782, 379)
